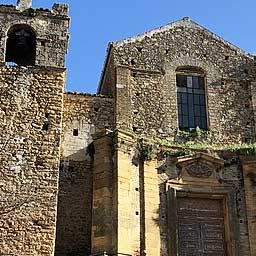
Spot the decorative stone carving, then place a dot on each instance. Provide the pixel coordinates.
(168, 172)
(199, 170)
(231, 173)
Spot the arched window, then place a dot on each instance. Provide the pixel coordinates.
(21, 45)
(191, 98)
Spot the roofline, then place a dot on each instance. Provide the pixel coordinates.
(184, 20)
(102, 76)
(159, 30)
(85, 94)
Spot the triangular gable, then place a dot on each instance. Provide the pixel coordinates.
(185, 22)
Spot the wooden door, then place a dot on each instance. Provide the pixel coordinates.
(200, 227)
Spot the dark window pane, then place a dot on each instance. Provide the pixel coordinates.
(179, 109)
(190, 101)
(197, 110)
(203, 111)
(179, 98)
(181, 80)
(196, 99)
(184, 109)
(202, 99)
(203, 123)
(190, 90)
(191, 122)
(180, 123)
(189, 81)
(184, 98)
(197, 122)
(198, 91)
(182, 89)
(191, 111)
(195, 82)
(185, 122)
(180, 120)
(201, 82)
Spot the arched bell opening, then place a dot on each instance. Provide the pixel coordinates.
(21, 46)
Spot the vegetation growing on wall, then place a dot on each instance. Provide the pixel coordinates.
(149, 147)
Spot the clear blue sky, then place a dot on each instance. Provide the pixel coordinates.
(97, 22)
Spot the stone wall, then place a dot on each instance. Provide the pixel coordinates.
(218, 175)
(149, 88)
(250, 193)
(78, 160)
(50, 27)
(31, 101)
(105, 204)
(108, 77)
(140, 73)
(225, 178)
(83, 115)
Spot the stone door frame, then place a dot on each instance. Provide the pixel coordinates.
(174, 191)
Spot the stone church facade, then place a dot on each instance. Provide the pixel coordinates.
(160, 162)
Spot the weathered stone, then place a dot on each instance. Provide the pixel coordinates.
(113, 173)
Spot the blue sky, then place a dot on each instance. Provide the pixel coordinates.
(97, 22)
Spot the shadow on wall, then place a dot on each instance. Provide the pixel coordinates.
(73, 236)
(82, 113)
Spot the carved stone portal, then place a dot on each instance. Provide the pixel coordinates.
(199, 170)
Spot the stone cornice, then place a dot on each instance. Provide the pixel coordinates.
(183, 161)
(124, 141)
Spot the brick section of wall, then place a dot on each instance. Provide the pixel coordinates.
(83, 115)
(31, 101)
(153, 59)
(153, 106)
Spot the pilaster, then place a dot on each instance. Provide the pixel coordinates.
(128, 195)
(123, 98)
(249, 170)
(152, 203)
(104, 221)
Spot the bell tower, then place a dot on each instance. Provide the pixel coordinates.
(33, 47)
(24, 4)
(38, 34)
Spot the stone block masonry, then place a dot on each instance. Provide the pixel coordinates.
(160, 162)
(33, 46)
(24, 4)
(83, 115)
(31, 101)
(146, 82)
(151, 103)
(50, 27)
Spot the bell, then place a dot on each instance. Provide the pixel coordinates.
(22, 39)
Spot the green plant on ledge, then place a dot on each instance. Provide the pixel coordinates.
(147, 152)
(149, 146)
(145, 149)
(195, 134)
